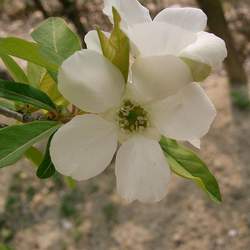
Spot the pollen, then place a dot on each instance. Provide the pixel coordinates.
(132, 117)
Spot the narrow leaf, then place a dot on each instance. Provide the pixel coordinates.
(25, 94)
(185, 163)
(7, 104)
(46, 169)
(14, 69)
(116, 48)
(39, 78)
(35, 74)
(54, 35)
(17, 139)
(26, 50)
(71, 183)
(34, 155)
(49, 86)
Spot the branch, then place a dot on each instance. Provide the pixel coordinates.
(11, 114)
(21, 117)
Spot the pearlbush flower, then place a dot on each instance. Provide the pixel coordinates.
(160, 98)
(174, 31)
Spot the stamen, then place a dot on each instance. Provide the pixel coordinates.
(132, 117)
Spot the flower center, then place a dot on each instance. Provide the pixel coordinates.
(132, 117)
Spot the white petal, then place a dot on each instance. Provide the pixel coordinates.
(131, 11)
(142, 171)
(84, 147)
(196, 143)
(90, 81)
(157, 77)
(208, 49)
(92, 41)
(186, 115)
(159, 38)
(187, 18)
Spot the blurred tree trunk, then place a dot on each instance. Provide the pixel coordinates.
(218, 25)
(71, 11)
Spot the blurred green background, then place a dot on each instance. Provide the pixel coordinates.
(51, 215)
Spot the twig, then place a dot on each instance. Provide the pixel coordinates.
(21, 117)
(11, 114)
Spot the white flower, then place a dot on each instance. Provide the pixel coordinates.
(174, 31)
(160, 99)
(85, 146)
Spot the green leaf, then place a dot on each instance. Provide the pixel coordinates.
(17, 139)
(14, 69)
(116, 48)
(25, 94)
(49, 86)
(34, 155)
(39, 78)
(46, 169)
(7, 104)
(240, 98)
(200, 71)
(5, 247)
(57, 40)
(71, 183)
(185, 163)
(35, 74)
(28, 51)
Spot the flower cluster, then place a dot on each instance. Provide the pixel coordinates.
(169, 55)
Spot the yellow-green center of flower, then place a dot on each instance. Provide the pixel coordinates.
(132, 117)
